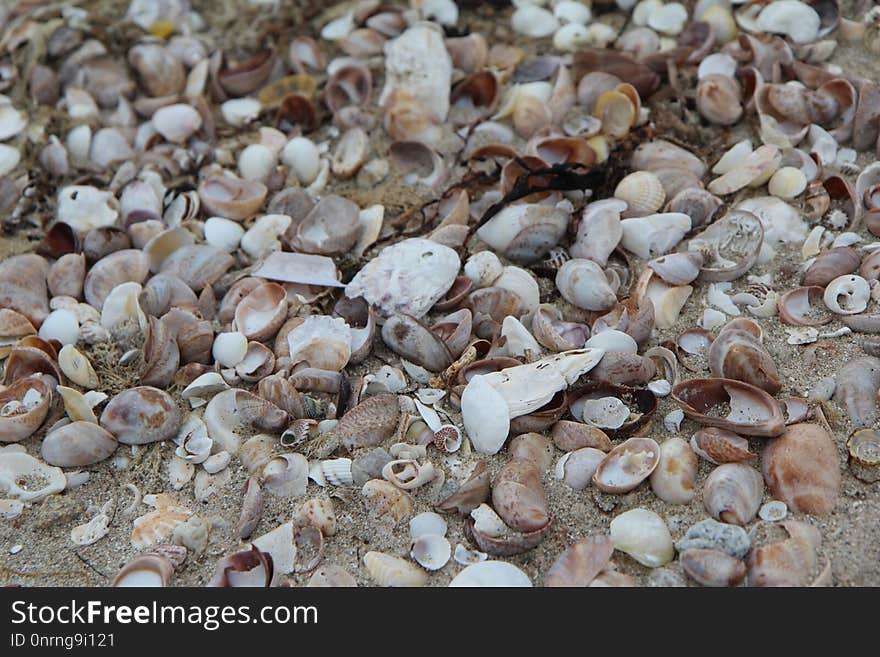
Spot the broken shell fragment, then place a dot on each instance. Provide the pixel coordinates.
(752, 411)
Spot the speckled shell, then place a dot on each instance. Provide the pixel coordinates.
(370, 423)
(141, 415)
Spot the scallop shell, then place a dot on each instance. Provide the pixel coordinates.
(642, 192)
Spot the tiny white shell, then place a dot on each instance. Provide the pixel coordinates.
(427, 523)
(605, 412)
(223, 234)
(847, 295)
(229, 348)
(533, 21)
(431, 551)
(613, 340)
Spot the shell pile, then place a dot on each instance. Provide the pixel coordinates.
(546, 294)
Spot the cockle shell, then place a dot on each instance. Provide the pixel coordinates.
(644, 536)
(801, 468)
(674, 478)
(732, 493)
(642, 192)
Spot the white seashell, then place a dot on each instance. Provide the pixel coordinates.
(301, 268)
(429, 415)
(122, 309)
(520, 342)
(322, 341)
(262, 238)
(177, 122)
(599, 231)
(339, 28)
(522, 284)
(655, 234)
(847, 295)
(801, 334)
(733, 157)
(712, 319)
(605, 412)
(571, 36)
(337, 472)
(180, 472)
(583, 283)
(28, 479)
(719, 64)
(280, 545)
(792, 18)
(78, 143)
(303, 158)
(467, 557)
(223, 234)
(813, 244)
(239, 111)
(773, 511)
(534, 22)
(370, 220)
(12, 121)
(95, 529)
(426, 523)
(613, 340)
(577, 468)
(193, 443)
(787, 183)
(10, 509)
(431, 551)
(229, 348)
(570, 11)
(487, 522)
(387, 570)
(61, 325)
(672, 421)
(717, 296)
(668, 19)
(386, 379)
(491, 574)
(205, 386)
(256, 162)
(643, 10)
(668, 301)
(83, 208)
(660, 387)
(9, 159)
(286, 475)
(846, 239)
(525, 232)
(75, 405)
(644, 536)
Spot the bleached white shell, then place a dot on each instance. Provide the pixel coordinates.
(847, 295)
(668, 19)
(229, 348)
(223, 234)
(205, 386)
(323, 341)
(279, 543)
(583, 283)
(78, 143)
(426, 523)
(773, 511)
(431, 551)
(217, 462)
(337, 472)
(792, 18)
(570, 11)
(467, 557)
(483, 268)
(485, 415)
(576, 468)
(605, 412)
(122, 308)
(533, 21)
(787, 182)
(9, 158)
(256, 162)
(644, 536)
(61, 325)
(718, 64)
(733, 157)
(193, 443)
(519, 341)
(491, 574)
(262, 238)
(654, 234)
(84, 208)
(302, 157)
(95, 529)
(12, 121)
(180, 472)
(387, 570)
(177, 122)
(522, 284)
(338, 28)
(613, 340)
(525, 231)
(600, 230)
(28, 479)
(444, 12)
(239, 111)
(571, 36)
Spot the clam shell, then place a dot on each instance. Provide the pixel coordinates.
(801, 469)
(570, 436)
(599, 231)
(23, 407)
(141, 415)
(583, 283)
(77, 444)
(627, 465)
(431, 551)
(674, 478)
(730, 246)
(197, 265)
(285, 475)
(720, 446)
(491, 574)
(712, 568)
(580, 563)
(752, 411)
(525, 233)
(235, 413)
(519, 498)
(732, 493)
(738, 354)
(654, 234)
(576, 468)
(644, 536)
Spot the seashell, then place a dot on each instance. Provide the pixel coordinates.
(258, 362)
(732, 493)
(331, 576)
(599, 231)
(862, 446)
(156, 526)
(141, 415)
(160, 73)
(847, 295)
(654, 234)
(321, 341)
(720, 446)
(229, 349)
(260, 314)
(553, 333)
(197, 265)
(642, 193)
(712, 568)
(60, 325)
(24, 405)
(348, 86)
(580, 563)
(773, 511)
(619, 367)
(644, 536)
(583, 283)
(101, 242)
(483, 268)
(730, 246)
(737, 353)
(698, 204)
(23, 361)
(491, 574)
(571, 36)
(576, 468)
(571, 436)
(75, 405)
(533, 21)
(318, 513)
(617, 112)
(752, 411)
(519, 498)
(23, 286)
(674, 478)
(755, 169)
(627, 465)
(240, 111)
(350, 153)
(471, 494)
(796, 20)
(799, 307)
(285, 475)
(787, 183)
(526, 232)
(77, 444)
(95, 529)
(431, 551)
(857, 384)
(128, 265)
(150, 569)
(13, 326)
(387, 505)
(719, 99)
(66, 276)
(248, 75)
(800, 468)
(788, 562)
(231, 197)
(387, 570)
(678, 268)
(232, 413)
(223, 234)
(302, 156)
(831, 264)
(193, 443)
(369, 423)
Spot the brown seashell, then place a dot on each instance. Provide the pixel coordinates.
(248, 75)
(161, 353)
(24, 360)
(469, 53)
(570, 436)
(461, 287)
(801, 469)
(752, 411)
(387, 505)
(160, 73)
(229, 196)
(251, 508)
(417, 163)
(712, 568)
(542, 418)
(21, 417)
(128, 265)
(580, 562)
(674, 479)
(866, 122)
(261, 313)
(738, 353)
(627, 465)
(719, 99)
(830, 264)
(555, 334)
(101, 242)
(14, 325)
(66, 276)
(370, 423)
(348, 86)
(77, 444)
(59, 239)
(405, 336)
(509, 543)
(720, 446)
(330, 228)
(296, 110)
(803, 306)
(363, 42)
(518, 497)
(454, 330)
(864, 455)
(480, 90)
(197, 265)
(788, 562)
(732, 493)
(195, 341)
(559, 150)
(699, 204)
(23, 286)
(857, 384)
(473, 492)
(43, 85)
(659, 154)
(141, 415)
(534, 448)
(246, 568)
(350, 153)
(623, 368)
(620, 65)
